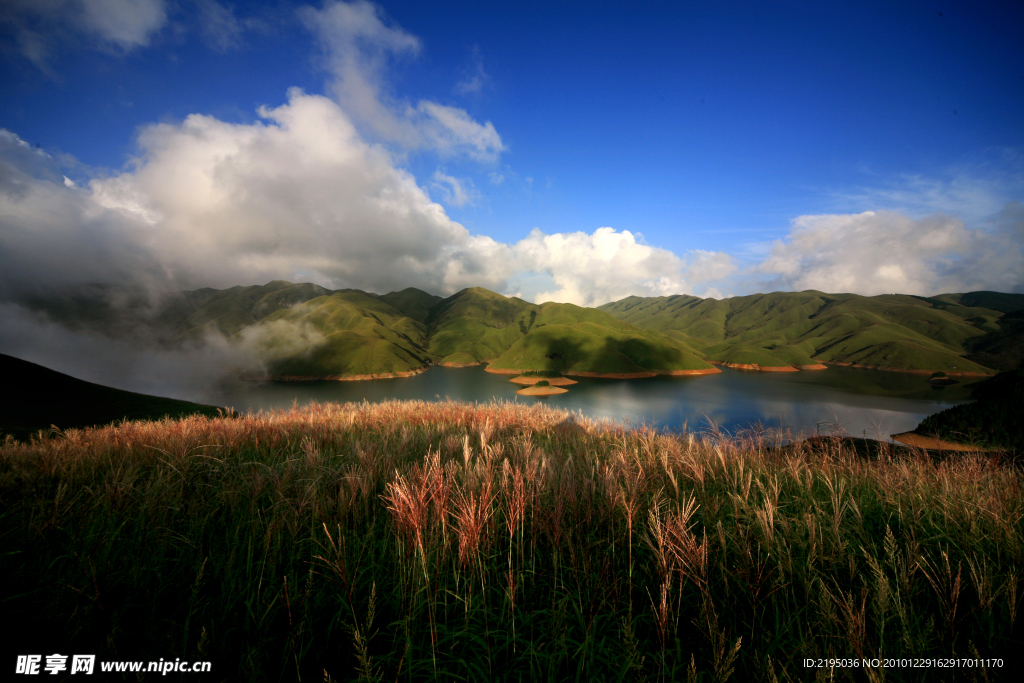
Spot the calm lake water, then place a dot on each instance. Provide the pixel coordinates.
(861, 402)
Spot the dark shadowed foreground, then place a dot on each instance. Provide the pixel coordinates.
(420, 541)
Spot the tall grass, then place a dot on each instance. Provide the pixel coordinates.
(444, 541)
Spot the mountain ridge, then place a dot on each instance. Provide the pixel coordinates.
(305, 331)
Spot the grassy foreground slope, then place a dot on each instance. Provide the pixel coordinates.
(445, 541)
(35, 398)
(798, 328)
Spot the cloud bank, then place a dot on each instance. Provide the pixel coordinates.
(590, 270)
(878, 252)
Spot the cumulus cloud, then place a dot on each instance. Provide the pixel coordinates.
(298, 196)
(590, 270)
(877, 252)
(56, 235)
(358, 47)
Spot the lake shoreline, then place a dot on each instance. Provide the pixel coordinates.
(910, 371)
(863, 400)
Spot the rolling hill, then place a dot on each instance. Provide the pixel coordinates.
(971, 333)
(303, 331)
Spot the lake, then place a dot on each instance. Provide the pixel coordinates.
(860, 402)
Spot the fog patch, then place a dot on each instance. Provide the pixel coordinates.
(195, 371)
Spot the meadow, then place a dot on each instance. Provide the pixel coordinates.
(407, 541)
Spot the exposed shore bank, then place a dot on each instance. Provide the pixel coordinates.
(614, 375)
(933, 444)
(541, 391)
(344, 378)
(769, 368)
(949, 373)
(553, 381)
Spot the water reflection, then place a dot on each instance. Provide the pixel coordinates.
(862, 402)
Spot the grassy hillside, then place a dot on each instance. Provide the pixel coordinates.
(477, 325)
(345, 333)
(592, 348)
(35, 398)
(796, 328)
(306, 330)
(444, 541)
(515, 335)
(228, 311)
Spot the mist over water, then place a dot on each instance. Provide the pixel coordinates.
(860, 402)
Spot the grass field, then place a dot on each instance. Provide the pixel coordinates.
(445, 541)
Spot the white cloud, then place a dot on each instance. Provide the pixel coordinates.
(358, 47)
(297, 196)
(450, 130)
(889, 252)
(590, 270)
(455, 192)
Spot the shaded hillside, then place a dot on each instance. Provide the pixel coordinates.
(798, 328)
(36, 398)
(345, 333)
(992, 420)
(228, 311)
(478, 325)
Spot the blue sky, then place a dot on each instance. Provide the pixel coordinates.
(560, 151)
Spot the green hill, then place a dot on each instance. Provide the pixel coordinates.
(345, 333)
(952, 332)
(229, 311)
(304, 330)
(589, 347)
(36, 398)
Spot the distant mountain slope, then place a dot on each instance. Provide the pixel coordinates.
(306, 331)
(347, 333)
(228, 311)
(478, 325)
(35, 398)
(798, 328)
